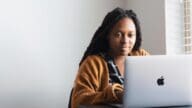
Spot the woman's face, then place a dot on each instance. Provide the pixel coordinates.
(122, 37)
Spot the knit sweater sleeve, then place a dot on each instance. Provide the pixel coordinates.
(91, 84)
(140, 52)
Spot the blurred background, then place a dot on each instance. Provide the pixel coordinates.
(42, 42)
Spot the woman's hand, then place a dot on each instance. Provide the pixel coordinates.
(118, 91)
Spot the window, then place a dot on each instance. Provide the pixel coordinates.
(187, 26)
(174, 27)
(178, 27)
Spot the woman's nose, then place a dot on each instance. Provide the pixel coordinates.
(125, 39)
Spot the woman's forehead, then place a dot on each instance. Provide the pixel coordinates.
(125, 24)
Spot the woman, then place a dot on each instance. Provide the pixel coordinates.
(100, 75)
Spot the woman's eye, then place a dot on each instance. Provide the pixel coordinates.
(118, 34)
(131, 35)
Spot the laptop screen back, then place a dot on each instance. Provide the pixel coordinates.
(152, 81)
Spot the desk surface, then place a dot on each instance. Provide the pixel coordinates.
(121, 106)
(94, 106)
(102, 106)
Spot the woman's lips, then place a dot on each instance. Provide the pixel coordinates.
(125, 47)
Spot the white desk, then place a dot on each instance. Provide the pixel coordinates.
(121, 106)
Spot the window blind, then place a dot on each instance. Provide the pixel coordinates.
(187, 27)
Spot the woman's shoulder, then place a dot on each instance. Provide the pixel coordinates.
(140, 52)
(94, 59)
(93, 65)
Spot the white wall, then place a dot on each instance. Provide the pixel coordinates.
(41, 44)
(151, 14)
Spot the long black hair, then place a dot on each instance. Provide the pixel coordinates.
(99, 42)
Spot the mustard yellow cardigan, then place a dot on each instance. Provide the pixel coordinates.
(92, 85)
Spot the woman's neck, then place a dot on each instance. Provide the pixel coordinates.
(119, 59)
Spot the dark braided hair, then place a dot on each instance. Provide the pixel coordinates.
(99, 43)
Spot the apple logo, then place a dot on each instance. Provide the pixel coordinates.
(160, 81)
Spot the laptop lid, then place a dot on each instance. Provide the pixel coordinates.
(161, 80)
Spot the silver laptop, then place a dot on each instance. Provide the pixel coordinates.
(161, 80)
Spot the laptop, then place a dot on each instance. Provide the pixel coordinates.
(158, 81)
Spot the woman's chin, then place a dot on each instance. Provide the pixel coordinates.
(124, 53)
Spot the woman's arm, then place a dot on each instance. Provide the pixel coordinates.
(92, 84)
